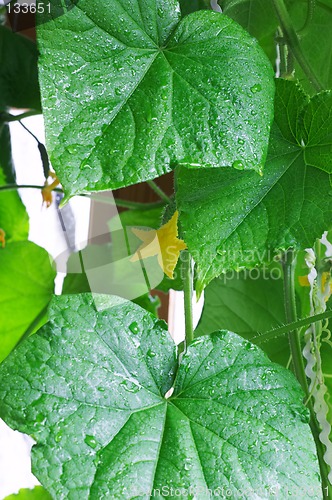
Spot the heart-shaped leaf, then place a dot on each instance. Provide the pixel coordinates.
(123, 82)
(90, 387)
(232, 220)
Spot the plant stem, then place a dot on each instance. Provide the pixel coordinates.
(7, 117)
(15, 187)
(135, 205)
(188, 296)
(291, 316)
(277, 332)
(294, 43)
(163, 196)
(298, 365)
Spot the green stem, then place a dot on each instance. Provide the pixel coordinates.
(134, 205)
(291, 316)
(15, 187)
(163, 196)
(7, 117)
(120, 203)
(277, 332)
(298, 364)
(188, 296)
(294, 43)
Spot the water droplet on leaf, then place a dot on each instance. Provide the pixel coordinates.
(238, 165)
(90, 441)
(133, 327)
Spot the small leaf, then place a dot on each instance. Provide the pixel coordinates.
(18, 72)
(90, 388)
(134, 77)
(27, 283)
(13, 216)
(37, 493)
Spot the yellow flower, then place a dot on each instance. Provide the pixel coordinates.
(2, 238)
(163, 242)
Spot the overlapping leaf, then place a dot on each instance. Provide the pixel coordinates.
(232, 220)
(18, 71)
(248, 303)
(315, 39)
(13, 216)
(26, 287)
(123, 83)
(37, 493)
(90, 388)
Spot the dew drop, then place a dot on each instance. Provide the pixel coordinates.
(240, 141)
(238, 165)
(151, 354)
(256, 88)
(71, 149)
(90, 441)
(133, 327)
(58, 437)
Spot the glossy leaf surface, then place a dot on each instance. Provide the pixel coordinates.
(232, 220)
(123, 83)
(90, 388)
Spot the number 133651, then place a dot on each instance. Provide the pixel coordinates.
(28, 8)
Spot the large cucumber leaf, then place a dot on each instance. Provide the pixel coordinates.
(123, 83)
(231, 220)
(90, 388)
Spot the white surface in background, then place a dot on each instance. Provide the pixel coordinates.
(176, 323)
(45, 231)
(14, 461)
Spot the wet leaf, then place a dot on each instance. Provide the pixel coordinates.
(90, 387)
(231, 220)
(123, 83)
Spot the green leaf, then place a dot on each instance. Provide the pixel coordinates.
(134, 77)
(258, 18)
(231, 220)
(315, 41)
(27, 282)
(93, 398)
(18, 72)
(37, 493)
(248, 303)
(189, 6)
(13, 216)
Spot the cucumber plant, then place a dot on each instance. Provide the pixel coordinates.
(234, 98)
